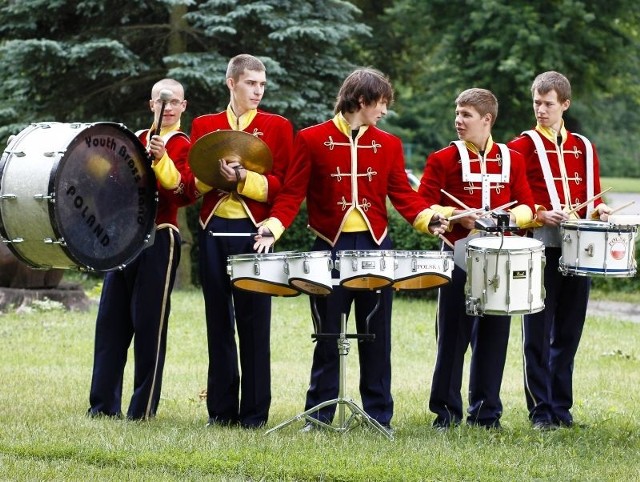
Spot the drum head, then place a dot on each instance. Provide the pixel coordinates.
(105, 197)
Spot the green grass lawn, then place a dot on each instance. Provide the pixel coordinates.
(621, 184)
(45, 371)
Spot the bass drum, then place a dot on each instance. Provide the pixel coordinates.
(76, 196)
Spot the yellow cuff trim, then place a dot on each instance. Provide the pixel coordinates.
(254, 187)
(166, 172)
(275, 226)
(202, 187)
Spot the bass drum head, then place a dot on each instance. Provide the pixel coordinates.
(105, 197)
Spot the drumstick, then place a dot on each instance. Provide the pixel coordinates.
(504, 206)
(580, 206)
(621, 207)
(456, 200)
(446, 241)
(465, 213)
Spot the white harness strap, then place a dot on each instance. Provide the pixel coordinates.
(546, 169)
(590, 179)
(482, 177)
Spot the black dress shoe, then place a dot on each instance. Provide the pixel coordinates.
(442, 425)
(544, 425)
(488, 424)
(218, 422)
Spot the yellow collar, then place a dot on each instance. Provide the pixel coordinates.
(473, 148)
(552, 135)
(343, 126)
(242, 122)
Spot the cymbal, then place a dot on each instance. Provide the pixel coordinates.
(252, 153)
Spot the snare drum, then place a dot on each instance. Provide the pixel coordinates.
(310, 272)
(260, 273)
(365, 270)
(596, 248)
(416, 270)
(76, 196)
(504, 275)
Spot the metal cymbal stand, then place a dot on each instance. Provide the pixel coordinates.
(358, 415)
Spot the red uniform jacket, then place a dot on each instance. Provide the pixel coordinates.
(169, 200)
(337, 176)
(575, 162)
(276, 132)
(443, 170)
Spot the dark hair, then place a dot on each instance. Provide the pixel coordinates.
(365, 86)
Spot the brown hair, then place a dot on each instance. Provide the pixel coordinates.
(552, 80)
(240, 63)
(364, 85)
(481, 100)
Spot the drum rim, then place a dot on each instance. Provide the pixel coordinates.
(293, 292)
(400, 253)
(380, 253)
(600, 227)
(328, 288)
(343, 281)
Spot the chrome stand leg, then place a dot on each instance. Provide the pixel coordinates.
(357, 415)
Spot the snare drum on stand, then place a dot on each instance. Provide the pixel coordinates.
(76, 196)
(366, 270)
(261, 273)
(596, 248)
(504, 275)
(416, 270)
(310, 272)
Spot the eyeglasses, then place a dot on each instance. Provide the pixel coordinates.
(172, 102)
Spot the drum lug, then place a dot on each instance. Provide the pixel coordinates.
(589, 250)
(16, 240)
(8, 196)
(305, 267)
(472, 307)
(61, 241)
(567, 239)
(256, 268)
(42, 197)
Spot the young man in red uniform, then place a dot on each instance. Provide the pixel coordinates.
(239, 395)
(481, 174)
(135, 301)
(346, 167)
(563, 171)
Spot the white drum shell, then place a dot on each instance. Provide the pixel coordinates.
(310, 272)
(260, 273)
(505, 276)
(366, 269)
(416, 270)
(596, 248)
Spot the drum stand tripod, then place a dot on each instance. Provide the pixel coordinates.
(358, 415)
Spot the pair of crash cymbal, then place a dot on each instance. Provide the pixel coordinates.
(250, 151)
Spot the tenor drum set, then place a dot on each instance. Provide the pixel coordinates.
(291, 273)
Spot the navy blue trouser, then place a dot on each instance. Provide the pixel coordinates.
(374, 356)
(551, 338)
(135, 304)
(234, 394)
(489, 337)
